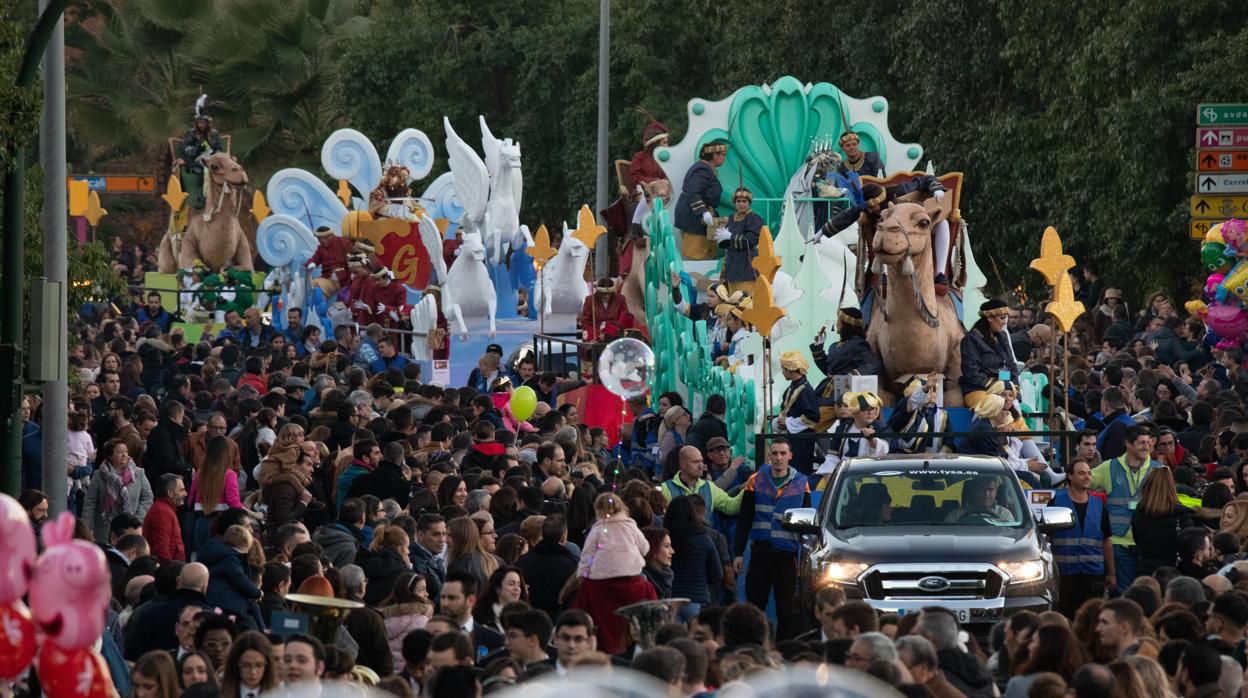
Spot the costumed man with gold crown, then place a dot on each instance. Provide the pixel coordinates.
(740, 238)
(919, 415)
(388, 198)
(331, 255)
(850, 356)
(699, 194)
(856, 160)
(799, 411)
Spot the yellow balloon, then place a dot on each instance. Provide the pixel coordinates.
(1215, 234)
(523, 403)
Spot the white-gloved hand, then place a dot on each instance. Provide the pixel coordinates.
(722, 234)
(793, 425)
(311, 265)
(359, 305)
(939, 194)
(394, 316)
(381, 307)
(706, 218)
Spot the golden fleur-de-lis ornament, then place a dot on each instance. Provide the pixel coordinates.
(1052, 262)
(767, 262)
(764, 314)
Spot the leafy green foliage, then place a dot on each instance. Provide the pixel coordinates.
(1079, 116)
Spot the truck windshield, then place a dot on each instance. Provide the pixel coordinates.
(926, 497)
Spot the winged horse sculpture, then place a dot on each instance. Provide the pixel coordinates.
(490, 189)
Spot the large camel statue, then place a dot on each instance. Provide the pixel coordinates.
(912, 329)
(213, 234)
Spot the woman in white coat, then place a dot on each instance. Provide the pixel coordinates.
(118, 485)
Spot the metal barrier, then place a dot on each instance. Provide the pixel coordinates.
(567, 358)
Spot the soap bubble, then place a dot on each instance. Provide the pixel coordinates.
(625, 367)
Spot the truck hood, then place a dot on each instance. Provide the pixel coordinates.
(930, 543)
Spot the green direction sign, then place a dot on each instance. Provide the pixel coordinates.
(1222, 115)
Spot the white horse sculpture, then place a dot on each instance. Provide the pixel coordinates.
(489, 190)
(468, 290)
(562, 288)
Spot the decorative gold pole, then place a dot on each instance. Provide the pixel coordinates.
(1054, 265)
(541, 253)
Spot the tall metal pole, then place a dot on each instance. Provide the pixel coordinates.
(602, 259)
(12, 281)
(55, 264)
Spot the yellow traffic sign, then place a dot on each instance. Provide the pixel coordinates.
(1201, 226)
(1215, 206)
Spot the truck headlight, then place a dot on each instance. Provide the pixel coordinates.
(1023, 571)
(843, 571)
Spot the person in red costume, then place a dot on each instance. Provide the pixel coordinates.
(361, 281)
(331, 255)
(383, 301)
(604, 316)
(644, 169)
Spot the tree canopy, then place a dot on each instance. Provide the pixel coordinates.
(1060, 113)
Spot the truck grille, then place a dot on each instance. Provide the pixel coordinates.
(961, 581)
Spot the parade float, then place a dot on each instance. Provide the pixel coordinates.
(772, 132)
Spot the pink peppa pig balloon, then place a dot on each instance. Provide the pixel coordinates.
(17, 550)
(70, 589)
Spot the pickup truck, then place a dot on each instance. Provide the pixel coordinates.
(907, 531)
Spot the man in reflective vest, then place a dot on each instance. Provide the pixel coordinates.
(1121, 479)
(774, 552)
(1084, 554)
(691, 479)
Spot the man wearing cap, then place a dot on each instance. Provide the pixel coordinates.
(727, 472)
(863, 163)
(799, 410)
(644, 169)
(699, 193)
(986, 353)
(331, 256)
(740, 238)
(597, 312)
(296, 391)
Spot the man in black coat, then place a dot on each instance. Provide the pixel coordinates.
(699, 195)
(167, 444)
(387, 481)
(549, 565)
(709, 425)
(154, 624)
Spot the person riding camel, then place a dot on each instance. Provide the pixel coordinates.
(199, 142)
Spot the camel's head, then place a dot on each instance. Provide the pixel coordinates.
(473, 247)
(224, 169)
(904, 230)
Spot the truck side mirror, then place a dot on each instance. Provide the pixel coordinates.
(800, 520)
(1054, 519)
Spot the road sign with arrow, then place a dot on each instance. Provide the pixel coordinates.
(1222, 160)
(1201, 226)
(1212, 206)
(1222, 137)
(1222, 115)
(1222, 183)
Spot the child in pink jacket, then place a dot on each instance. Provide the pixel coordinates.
(615, 546)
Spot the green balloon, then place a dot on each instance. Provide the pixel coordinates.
(523, 402)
